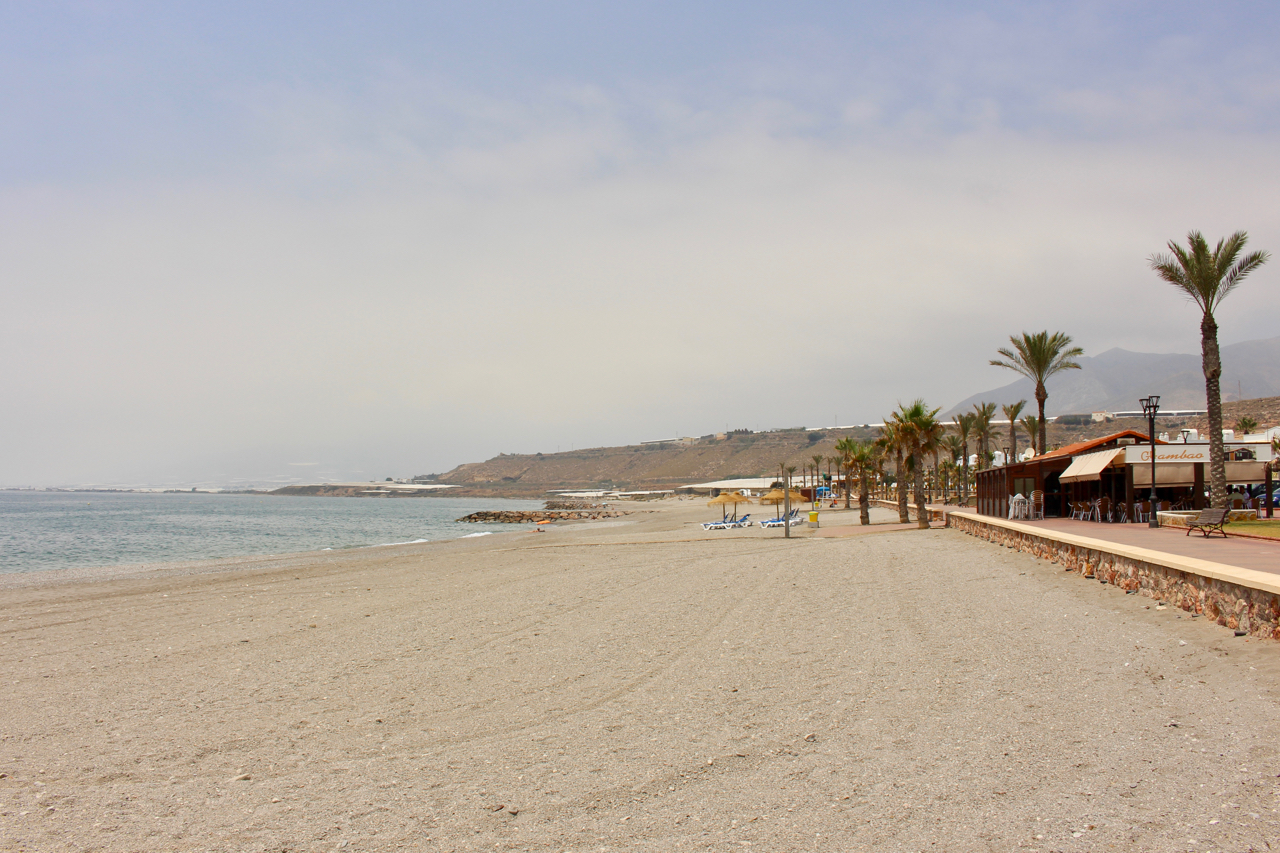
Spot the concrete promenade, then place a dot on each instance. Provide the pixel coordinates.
(1253, 554)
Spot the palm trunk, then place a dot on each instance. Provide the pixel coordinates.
(864, 500)
(964, 483)
(1213, 394)
(848, 485)
(938, 479)
(1013, 441)
(922, 514)
(903, 515)
(786, 506)
(1041, 396)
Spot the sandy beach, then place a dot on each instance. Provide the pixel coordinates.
(631, 684)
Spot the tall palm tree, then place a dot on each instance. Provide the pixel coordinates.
(982, 415)
(787, 471)
(1206, 277)
(817, 473)
(865, 459)
(845, 448)
(1037, 357)
(1011, 411)
(953, 447)
(1031, 426)
(964, 426)
(921, 434)
(937, 463)
(893, 440)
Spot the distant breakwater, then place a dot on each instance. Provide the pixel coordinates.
(532, 516)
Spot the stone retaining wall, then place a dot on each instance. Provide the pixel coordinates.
(507, 516)
(1232, 605)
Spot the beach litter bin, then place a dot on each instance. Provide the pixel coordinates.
(813, 518)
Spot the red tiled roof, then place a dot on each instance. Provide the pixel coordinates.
(1093, 444)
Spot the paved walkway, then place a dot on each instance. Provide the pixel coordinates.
(1244, 553)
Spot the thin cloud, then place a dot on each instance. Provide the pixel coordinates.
(402, 269)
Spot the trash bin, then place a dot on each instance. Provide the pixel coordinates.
(813, 518)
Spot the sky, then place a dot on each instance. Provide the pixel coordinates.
(254, 243)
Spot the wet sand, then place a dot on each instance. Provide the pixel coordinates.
(634, 684)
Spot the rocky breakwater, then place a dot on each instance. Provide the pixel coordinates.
(533, 516)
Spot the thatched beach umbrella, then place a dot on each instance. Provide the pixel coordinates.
(777, 497)
(727, 498)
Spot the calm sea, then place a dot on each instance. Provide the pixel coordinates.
(56, 530)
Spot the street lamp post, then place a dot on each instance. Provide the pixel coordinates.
(1151, 405)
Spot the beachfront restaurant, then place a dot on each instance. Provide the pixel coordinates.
(997, 486)
(1117, 468)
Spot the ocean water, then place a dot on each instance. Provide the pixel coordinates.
(40, 531)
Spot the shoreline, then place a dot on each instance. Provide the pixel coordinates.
(52, 539)
(631, 684)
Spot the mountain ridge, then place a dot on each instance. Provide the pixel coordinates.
(1114, 380)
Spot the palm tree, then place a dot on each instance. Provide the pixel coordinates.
(1011, 411)
(954, 449)
(845, 448)
(921, 434)
(865, 459)
(787, 471)
(1037, 357)
(964, 425)
(982, 415)
(943, 472)
(1031, 426)
(1206, 277)
(1246, 425)
(893, 440)
(817, 473)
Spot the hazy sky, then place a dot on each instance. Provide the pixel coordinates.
(273, 241)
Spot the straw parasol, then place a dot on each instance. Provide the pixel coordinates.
(777, 497)
(727, 498)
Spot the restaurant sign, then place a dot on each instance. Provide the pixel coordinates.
(1137, 454)
(1184, 453)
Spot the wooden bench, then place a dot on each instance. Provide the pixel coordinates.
(1208, 521)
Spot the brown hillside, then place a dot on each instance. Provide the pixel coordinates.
(1264, 410)
(653, 466)
(665, 466)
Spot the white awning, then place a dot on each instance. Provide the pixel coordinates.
(1090, 465)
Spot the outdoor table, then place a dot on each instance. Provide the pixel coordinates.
(1019, 507)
